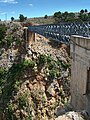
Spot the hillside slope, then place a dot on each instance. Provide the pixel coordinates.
(42, 20)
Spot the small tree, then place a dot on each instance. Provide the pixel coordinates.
(83, 17)
(57, 16)
(82, 11)
(25, 18)
(45, 16)
(22, 18)
(65, 16)
(12, 18)
(86, 10)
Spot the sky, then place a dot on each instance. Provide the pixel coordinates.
(39, 8)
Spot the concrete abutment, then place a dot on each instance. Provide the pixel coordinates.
(80, 53)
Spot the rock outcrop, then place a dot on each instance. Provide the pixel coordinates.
(74, 116)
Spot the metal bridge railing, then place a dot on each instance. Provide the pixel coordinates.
(62, 32)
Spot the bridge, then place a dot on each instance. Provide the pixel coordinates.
(77, 35)
(62, 32)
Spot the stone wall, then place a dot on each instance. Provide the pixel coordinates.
(80, 53)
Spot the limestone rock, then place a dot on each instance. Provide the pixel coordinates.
(51, 90)
(29, 52)
(70, 116)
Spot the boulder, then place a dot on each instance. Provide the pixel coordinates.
(71, 116)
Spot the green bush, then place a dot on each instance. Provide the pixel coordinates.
(3, 29)
(20, 67)
(65, 65)
(2, 72)
(59, 63)
(9, 40)
(17, 84)
(10, 108)
(28, 63)
(58, 74)
(51, 66)
(2, 75)
(52, 74)
(2, 42)
(42, 59)
(10, 111)
(49, 58)
(18, 42)
(23, 101)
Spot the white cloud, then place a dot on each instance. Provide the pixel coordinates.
(9, 1)
(31, 5)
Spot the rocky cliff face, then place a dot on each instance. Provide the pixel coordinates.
(11, 43)
(34, 82)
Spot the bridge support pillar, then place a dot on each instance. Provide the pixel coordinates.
(28, 36)
(80, 73)
(31, 37)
